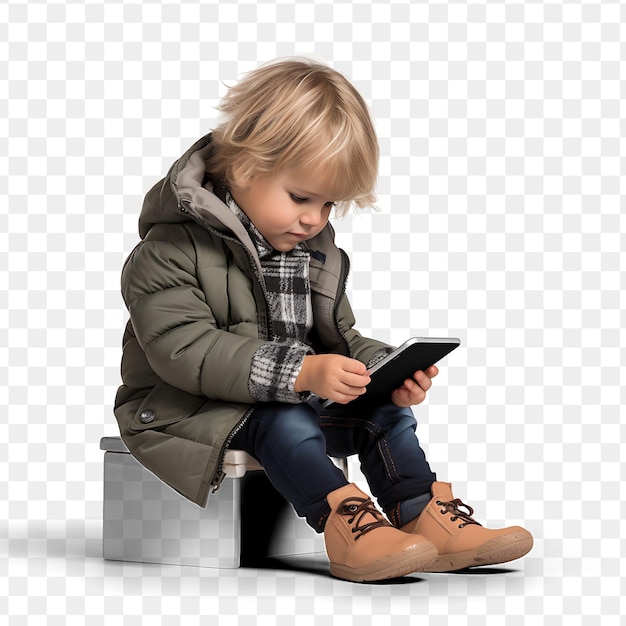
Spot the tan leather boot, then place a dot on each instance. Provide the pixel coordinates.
(460, 540)
(362, 545)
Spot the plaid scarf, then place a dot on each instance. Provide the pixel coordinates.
(276, 365)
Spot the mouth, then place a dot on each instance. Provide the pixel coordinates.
(299, 235)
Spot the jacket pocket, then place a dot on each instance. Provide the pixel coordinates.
(165, 405)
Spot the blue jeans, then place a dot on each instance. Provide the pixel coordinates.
(293, 442)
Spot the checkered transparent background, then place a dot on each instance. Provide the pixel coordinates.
(501, 196)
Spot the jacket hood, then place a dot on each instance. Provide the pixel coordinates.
(186, 193)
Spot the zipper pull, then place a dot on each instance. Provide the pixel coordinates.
(216, 484)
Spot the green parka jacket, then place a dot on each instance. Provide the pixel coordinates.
(198, 312)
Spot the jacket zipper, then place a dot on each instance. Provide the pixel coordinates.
(220, 474)
(216, 483)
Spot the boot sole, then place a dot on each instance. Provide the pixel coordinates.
(496, 550)
(413, 559)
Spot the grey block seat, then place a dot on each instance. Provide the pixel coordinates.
(246, 520)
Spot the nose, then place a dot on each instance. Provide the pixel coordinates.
(312, 217)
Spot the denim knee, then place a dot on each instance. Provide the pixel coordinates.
(392, 420)
(285, 425)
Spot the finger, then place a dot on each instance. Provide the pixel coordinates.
(399, 398)
(344, 398)
(416, 393)
(355, 380)
(423, 380)
(340, 390)
(351, 391)
(432, 371)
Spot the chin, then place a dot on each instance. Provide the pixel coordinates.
(283, 246)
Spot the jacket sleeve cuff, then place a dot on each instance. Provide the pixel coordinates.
(275, 367)
(378, 356)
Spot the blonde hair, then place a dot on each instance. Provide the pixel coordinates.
(298, 113)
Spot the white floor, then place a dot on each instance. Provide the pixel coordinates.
(53, 573)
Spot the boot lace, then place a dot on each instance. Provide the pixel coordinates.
(453, 506)
(357, 509)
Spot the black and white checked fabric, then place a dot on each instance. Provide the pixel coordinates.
(276, 365)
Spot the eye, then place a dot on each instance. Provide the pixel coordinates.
(297, 199)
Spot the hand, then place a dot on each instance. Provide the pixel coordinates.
(413, 391)
(332, 376)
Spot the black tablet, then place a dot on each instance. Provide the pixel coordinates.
(418, 353)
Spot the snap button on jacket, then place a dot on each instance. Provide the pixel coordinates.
(147, 416)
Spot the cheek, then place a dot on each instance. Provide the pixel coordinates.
(287, 215)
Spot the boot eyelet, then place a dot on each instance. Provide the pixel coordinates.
(439, 503)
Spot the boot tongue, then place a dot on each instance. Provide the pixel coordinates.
(442, 491)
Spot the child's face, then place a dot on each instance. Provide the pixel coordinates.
(289, 208)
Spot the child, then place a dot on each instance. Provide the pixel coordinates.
(240, 324)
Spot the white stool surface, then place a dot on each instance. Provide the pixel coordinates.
(236, 462)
